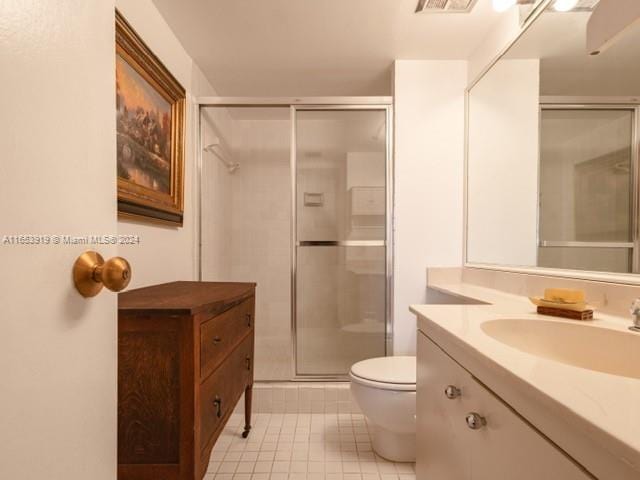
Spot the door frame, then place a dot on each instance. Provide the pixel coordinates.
(383, 103)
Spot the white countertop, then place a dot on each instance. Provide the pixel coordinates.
(593, 416)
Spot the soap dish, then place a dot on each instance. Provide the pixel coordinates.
(564, 313)
(573, 311)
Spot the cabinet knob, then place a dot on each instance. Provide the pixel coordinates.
(248, 317)
(452, 392)
(475, 421)
(91, 273)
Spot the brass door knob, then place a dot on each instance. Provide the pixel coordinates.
(91, 273)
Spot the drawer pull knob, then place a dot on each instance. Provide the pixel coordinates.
(218, 404)
(248, 361)
(248, 316)
(475, 421)
(217, 339)
(452, 392)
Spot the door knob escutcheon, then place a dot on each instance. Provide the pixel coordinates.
(91, 273)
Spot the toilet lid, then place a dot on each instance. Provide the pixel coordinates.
(390, 370)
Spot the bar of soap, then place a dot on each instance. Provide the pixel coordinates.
(564, 295)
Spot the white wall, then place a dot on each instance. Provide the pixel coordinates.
(502, 167)
(429, 157)
(166, 253)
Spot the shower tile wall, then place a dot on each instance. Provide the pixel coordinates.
(301, 397)
(216, 192)
(259, 242)
(246, 225)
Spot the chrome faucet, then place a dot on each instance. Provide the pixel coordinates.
(635, 315)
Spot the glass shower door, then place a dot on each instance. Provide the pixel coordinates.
(340, 256)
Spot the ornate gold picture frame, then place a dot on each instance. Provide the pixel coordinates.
(150, 125)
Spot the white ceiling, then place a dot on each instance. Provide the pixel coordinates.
(317, 47)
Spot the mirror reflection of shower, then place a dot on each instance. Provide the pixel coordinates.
(586, 188)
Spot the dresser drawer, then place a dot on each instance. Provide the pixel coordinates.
(221, 334)
(222, 390)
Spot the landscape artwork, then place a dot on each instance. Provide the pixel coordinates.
(150, 132)
(143, 125)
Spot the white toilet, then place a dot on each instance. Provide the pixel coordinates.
(385, 390)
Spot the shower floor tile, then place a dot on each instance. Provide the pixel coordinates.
(301, 446)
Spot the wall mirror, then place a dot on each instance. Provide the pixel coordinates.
(552, 151)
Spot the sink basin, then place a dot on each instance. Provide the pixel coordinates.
(585, 346)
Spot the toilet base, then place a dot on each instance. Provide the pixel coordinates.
(397, 447)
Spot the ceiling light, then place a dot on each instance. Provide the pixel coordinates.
(503, 5)
(564, 5)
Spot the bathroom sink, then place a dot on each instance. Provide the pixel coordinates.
(585, 346)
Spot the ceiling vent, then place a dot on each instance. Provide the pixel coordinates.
(445, 6)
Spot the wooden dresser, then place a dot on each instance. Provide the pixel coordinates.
(185, 357)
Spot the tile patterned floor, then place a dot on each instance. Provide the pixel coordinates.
(301, 446)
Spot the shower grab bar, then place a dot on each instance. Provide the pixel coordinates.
(341, 243)
(552, 243)
(213, 148)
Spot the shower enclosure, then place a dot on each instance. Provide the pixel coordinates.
(295, 195)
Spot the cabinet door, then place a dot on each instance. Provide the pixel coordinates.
(508, 447)
(443, 441)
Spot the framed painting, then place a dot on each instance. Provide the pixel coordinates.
(150, 124)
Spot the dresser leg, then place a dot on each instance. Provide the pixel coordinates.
(247, 410)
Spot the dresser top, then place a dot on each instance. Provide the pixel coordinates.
(185, 297)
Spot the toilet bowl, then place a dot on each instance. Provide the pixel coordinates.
(385, 390)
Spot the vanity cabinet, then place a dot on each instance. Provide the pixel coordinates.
(466, 432)
(185, 357)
